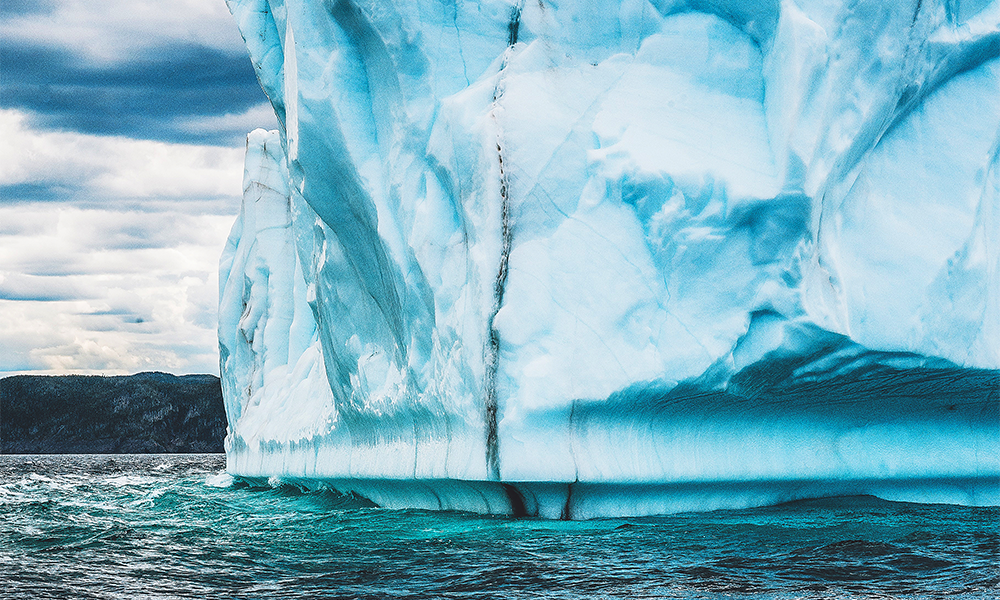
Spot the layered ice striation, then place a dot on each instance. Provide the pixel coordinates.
(579, 259)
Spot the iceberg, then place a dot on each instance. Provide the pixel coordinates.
(578, 260)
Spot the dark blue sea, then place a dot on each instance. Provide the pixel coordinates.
(173, 526)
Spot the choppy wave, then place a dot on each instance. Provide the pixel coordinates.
(173, 527)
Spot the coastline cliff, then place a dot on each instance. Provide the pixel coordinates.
(135, 414)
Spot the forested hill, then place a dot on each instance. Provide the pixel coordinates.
(142, 413)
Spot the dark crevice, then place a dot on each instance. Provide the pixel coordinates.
(493, 336)
(492, 440)
(572, 440)
(567, 513)
(493, 355)
(516, 500)
(514, 25)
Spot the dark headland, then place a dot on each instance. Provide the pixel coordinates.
(136, 414)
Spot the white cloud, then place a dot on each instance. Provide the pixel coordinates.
(99, 167)
(109, 246)
(18, 286)
(237, 125)
(115, 30)
(124, 309)
(123, 276)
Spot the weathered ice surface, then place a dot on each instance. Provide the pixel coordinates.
(619, 247)
(134, 414)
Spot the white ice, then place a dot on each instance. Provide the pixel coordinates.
(495, 240)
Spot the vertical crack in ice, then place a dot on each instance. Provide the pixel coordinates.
(573, 441)
(513, 25)
(493, 336)
(458, 38)
(567, 509)
(517, 507)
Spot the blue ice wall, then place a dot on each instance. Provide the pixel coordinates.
(642, 244)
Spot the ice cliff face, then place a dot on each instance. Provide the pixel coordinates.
(616, 243)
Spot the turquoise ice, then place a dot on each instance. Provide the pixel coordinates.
(619, 258)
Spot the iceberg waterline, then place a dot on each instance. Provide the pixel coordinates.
(663, 255)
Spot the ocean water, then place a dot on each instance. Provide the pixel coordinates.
(172, 526)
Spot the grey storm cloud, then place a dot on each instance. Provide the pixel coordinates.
(152, 95)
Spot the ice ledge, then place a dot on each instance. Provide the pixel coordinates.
(793, 413)
(577, 501)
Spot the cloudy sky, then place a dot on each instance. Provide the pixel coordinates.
(123, 126)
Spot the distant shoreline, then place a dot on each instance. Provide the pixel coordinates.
(145, 413)
(40, 455)
(109, 454)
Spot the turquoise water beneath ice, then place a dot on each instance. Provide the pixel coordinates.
(160, 526)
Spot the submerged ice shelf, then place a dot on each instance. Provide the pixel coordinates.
(660, 256)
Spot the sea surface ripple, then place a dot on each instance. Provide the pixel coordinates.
(175, 526)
